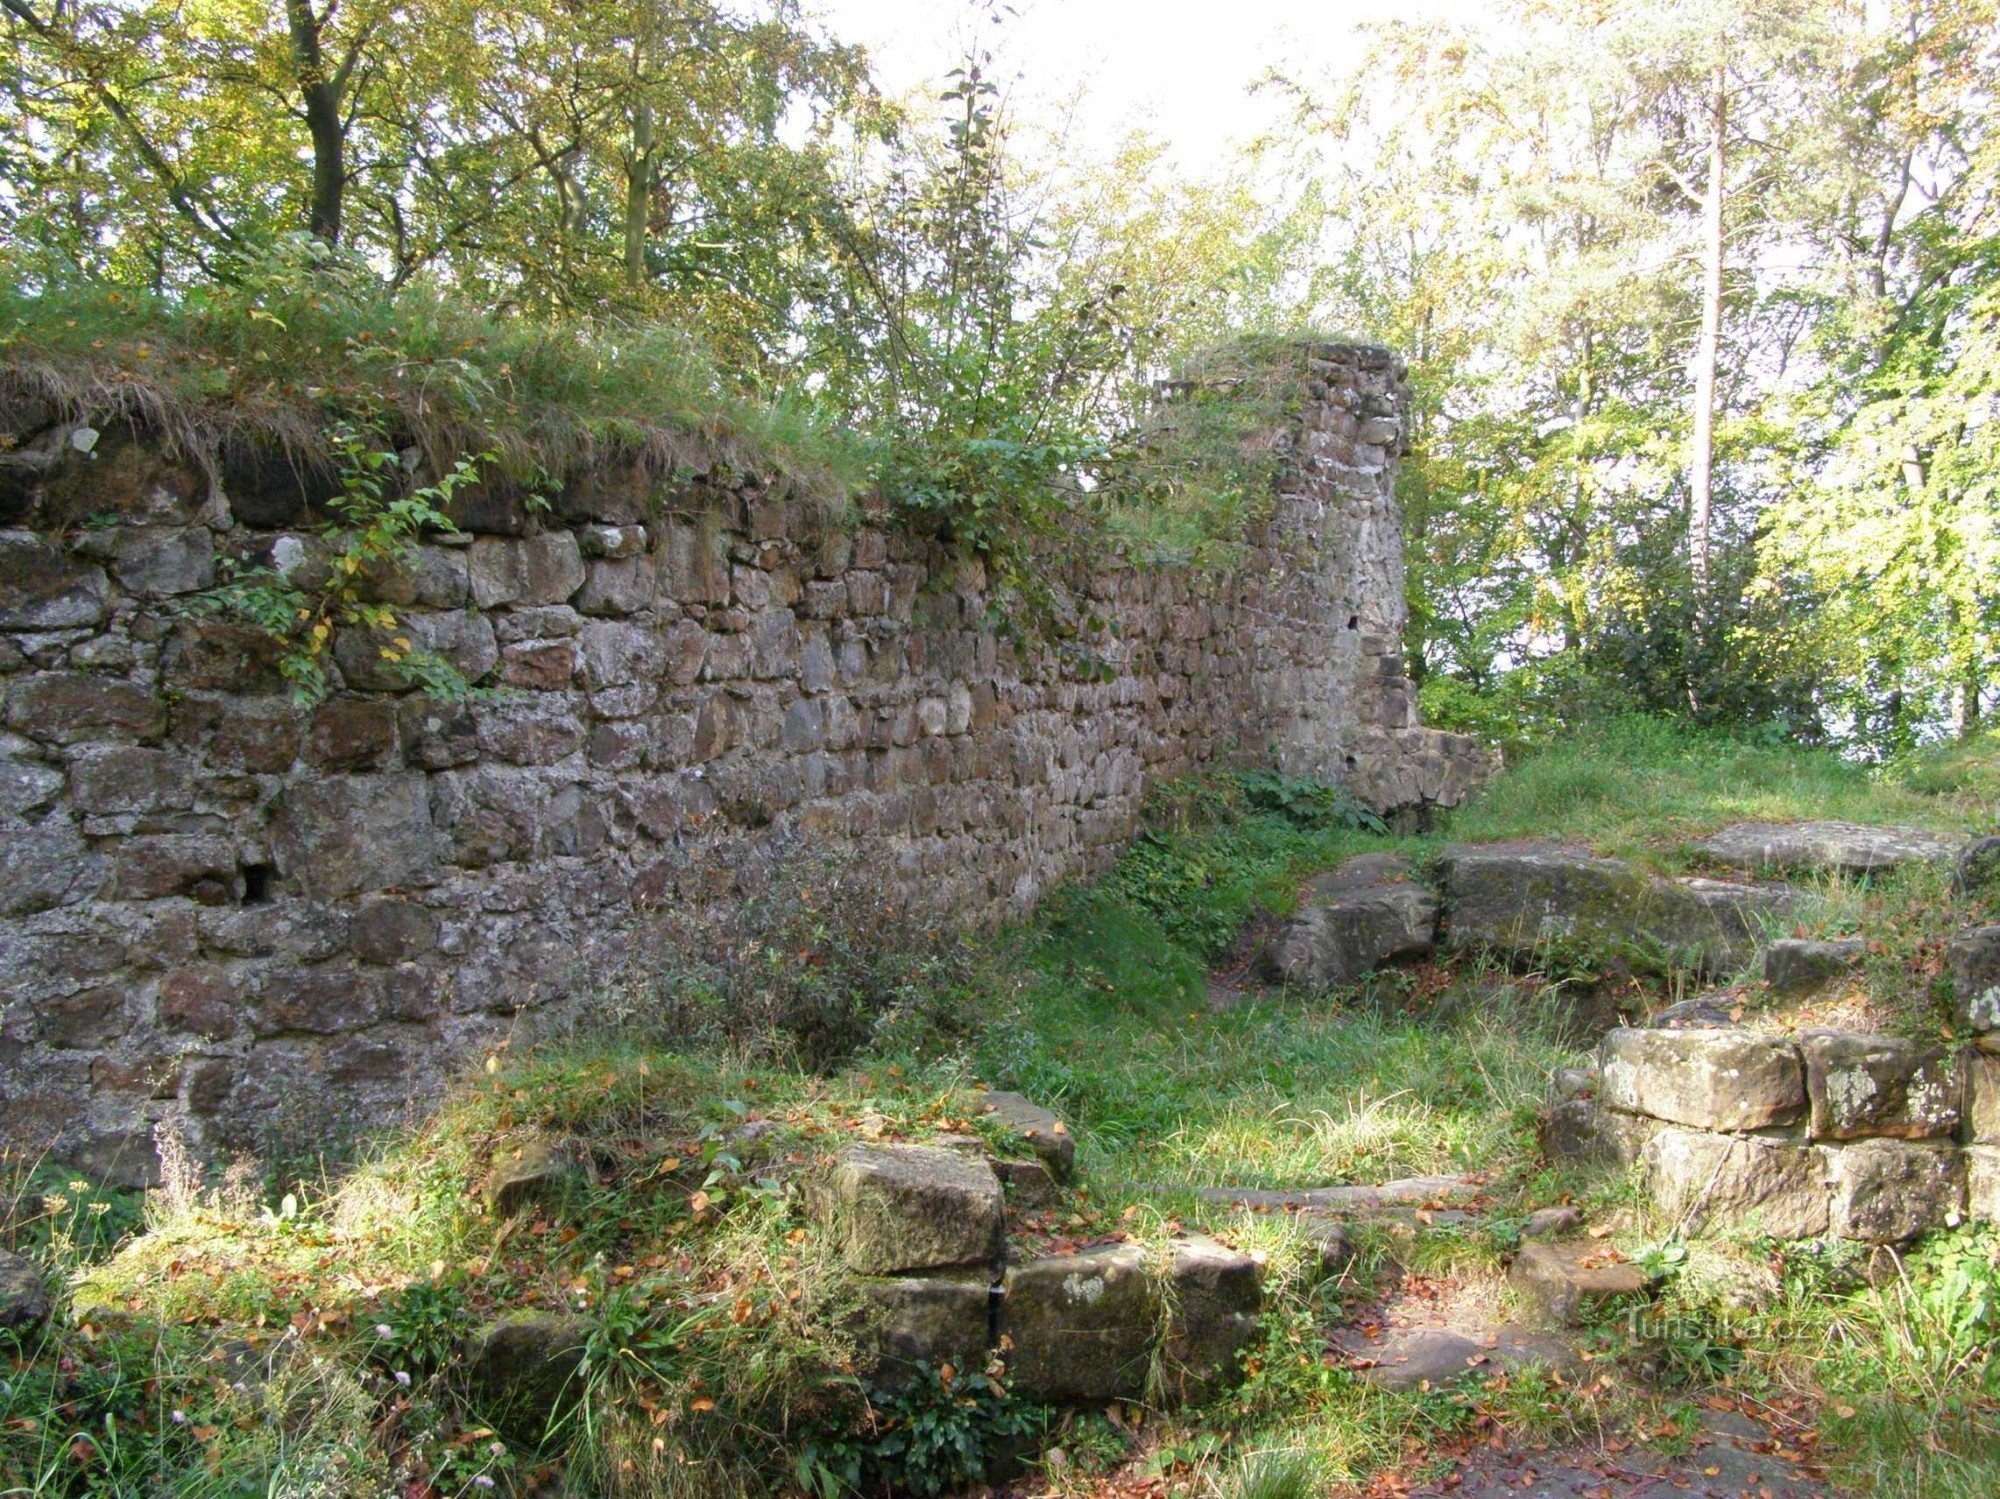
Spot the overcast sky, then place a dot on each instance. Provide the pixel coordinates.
(1179, 69)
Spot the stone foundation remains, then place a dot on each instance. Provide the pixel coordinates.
(274, 924)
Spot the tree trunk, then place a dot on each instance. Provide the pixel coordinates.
(1701, 467)
(320, 94)
(638, 194)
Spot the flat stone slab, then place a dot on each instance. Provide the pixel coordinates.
(1711, 1078)
(1410, 1192)
(1734, 1459)
(1570, 1280)
(1825, 847)
(1040, 1129)
(1408, 1358)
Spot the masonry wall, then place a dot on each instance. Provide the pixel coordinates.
(275, 923)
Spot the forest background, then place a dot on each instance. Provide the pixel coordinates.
(1700, 300)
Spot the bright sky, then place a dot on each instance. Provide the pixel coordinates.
(1180, 69)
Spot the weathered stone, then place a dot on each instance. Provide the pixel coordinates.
(348, 834)
(1878, 1085)
(1435, 1358)
(1347, 929)
(196, 865)
(43, 587)
(1705, 1012)
(900, 1208)
(353, 734)
(548, 1176)
(47, 865)
(1215, 1296)
(617, 586)
(1705, 1182)
(1889, 1191)
(25, 1303)
(119, 779)
(1551, 1223)
(1029, 1184)
(1978, 865)
(200, 1001)
(1793, 965)
(544, 569)
(387, 932)
(1081, 1327)
(523, 1371)
(1570, 1281)
(28, 788)
(1712, 1079)
(941, 1321)
(1982, 1096)
(157, 563)
(1332, 1245)
(1824, 847)
(1035, 1127)
(220, 655)
(88, 1018)
(1982, 1183)
(64, 707)
(268, 487)
(1973, 962)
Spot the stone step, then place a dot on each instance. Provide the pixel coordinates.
(1570, 1281)
(1825, 847)
(1409, 1358)
(1410, 1192)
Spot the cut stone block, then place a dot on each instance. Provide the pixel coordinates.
(1712, 1079)
(1973, 961)
(902, 1208)
(1824, 847)
(1569, 1281)
(1351, 921)
(1415, 1358)
(525, 1369)
(1982, 1183)
(1214, 1298)
(1035, 1127)
(1889, 1191)
(545, 1174)
(1029, 1184)
(1080, 1329)
(1703, 1182)
(1551, 1223)
(1861, 1085)
(1982, 1097)
(932, 1319)
(1794, 965)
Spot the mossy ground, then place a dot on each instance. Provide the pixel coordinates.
(302, 1338)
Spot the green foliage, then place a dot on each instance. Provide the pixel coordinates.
(938, 1434)
(420, 1326)
(379, 523)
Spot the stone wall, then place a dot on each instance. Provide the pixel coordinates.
(1830, 1133)
(273, 923)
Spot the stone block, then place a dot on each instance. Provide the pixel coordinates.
(938, 1320)
(1981, 1101)
(1035, 1127)
(524, 1371)
(66, 707)
(43, 587)
(547, 1176)
(902, 1208)
(1794, 965)
(199, 1001)
(47, 865)
(616, 586)
(318, 1001)
(1824, 847)
(158, 562)
(1708, 1182)
(88, 1018)
(1080, 1329)
(387, 932)
(344, 835)
(1711, 1079)
(1346, 930)
(1890, 1191)
(1214, 1298)
(197, 865)
(544, 569)
(115, 780)
(1973, 963)
(1862, 1085)
(1570, 1281)
(28, 788)
(352, 734)
(1982, 1183)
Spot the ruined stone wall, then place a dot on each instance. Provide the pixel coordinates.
(273, 922)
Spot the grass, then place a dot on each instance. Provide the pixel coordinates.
(251, 1341)
(299, 344)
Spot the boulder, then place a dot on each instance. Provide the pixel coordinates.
(25, 1304)
(1352, 920)
(1703, 1181)
(1079, 1329)
(924, 1319)
(1214, 1298)
(1551, 1223)
(1705, 1012)
(902, 1208)
(521, 1370)
(1978, 864)
(1889, 1191)
(1973, 962)
(1331, 1243)
(1517, 899)
(1571, 1281)
(545, 1175)
(1035, 1127)
(1712, 1079)
(1862, 1085)
(1795, 965)
(1824, 847)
